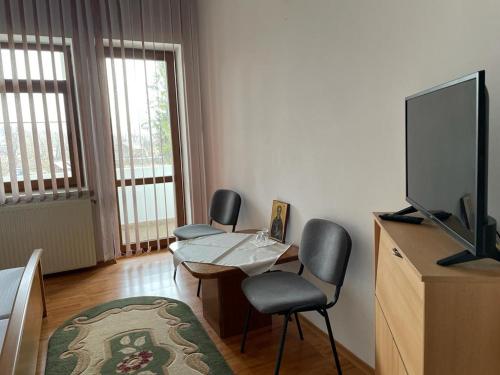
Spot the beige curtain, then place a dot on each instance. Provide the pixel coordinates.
(61, 150)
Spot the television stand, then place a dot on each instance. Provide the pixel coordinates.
(401, 217)
(432, 320)
(461, 257)
(467, 256)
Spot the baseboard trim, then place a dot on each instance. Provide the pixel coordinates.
(343, 351)
(104, 263)
(99, 264)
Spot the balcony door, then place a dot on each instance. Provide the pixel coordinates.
(144, 112)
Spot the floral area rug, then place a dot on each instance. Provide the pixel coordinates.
(140, 336)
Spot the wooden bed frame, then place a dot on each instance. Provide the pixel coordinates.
(19, 352)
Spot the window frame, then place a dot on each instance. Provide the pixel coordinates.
(50, 87)
(169, 58)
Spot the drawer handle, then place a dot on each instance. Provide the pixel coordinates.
(395, 252)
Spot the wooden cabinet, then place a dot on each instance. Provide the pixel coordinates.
(432, 319)
(388, 361)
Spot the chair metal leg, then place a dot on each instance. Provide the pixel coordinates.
(298, 326)
(245, 330)
(282, 345)
(199, 288)
(332, 343)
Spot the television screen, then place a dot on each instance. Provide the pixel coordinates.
(441, 156)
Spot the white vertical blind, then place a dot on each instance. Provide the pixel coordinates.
(148, 107)
(76, 114)
(38, 121)
(57, 101)
(148, 207)
(117, 127)
(71, 110)
(17, 98)
(45, 110)
(34, 129)
(129, 132)
(144, 208)
(8, 136)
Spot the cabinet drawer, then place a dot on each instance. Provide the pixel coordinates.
(387, 358)
(401, 296)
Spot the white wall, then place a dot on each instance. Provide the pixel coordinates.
(304, 101)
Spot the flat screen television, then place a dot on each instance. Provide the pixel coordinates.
(447, 163)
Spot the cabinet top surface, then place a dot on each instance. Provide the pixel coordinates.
(424, 244)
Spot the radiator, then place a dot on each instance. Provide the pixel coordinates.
(63, 229)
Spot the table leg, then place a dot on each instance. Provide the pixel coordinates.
(225, 306)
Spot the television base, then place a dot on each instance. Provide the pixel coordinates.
(461, 257)
(490, 247)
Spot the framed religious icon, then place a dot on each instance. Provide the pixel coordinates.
(279, 221)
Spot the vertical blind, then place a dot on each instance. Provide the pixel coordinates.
(37, 132)
(65, 93)
(132, 66)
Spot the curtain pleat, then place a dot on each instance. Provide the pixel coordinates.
(190, 131)
(196, 107)
(106, 242)
(107, 206)
(177, 87)
(189, 42)
(162, 32)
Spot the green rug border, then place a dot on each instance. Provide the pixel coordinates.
(60, 340)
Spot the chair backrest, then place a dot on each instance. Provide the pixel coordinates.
(225, 207)
(325, 249)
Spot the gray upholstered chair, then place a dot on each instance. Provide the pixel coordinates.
(224, 209)
(324, 251)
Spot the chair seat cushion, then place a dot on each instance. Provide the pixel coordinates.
(275, 292)
(9, 283)
(188, 232)
(3, 330)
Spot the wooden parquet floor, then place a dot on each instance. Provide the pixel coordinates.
(151, 274)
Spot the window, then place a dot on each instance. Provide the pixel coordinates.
(50, 130)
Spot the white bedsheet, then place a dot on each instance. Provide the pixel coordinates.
(231, 249)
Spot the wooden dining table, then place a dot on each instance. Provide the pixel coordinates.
(224, 304)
